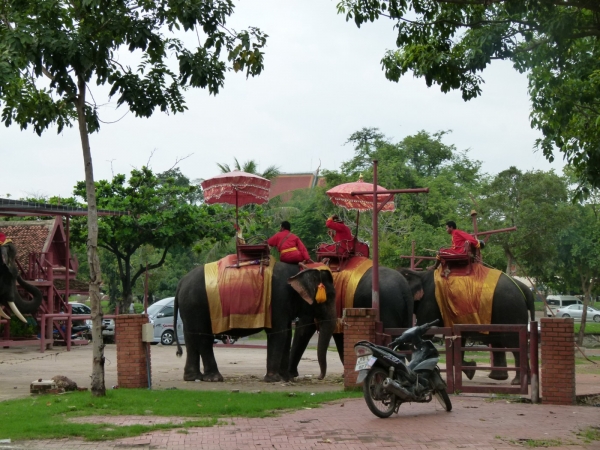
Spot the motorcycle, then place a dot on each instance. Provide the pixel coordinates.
(389, 381)
(77, 332)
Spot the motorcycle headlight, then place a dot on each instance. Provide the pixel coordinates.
(361, 350)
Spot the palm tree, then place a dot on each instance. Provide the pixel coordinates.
(251, 166)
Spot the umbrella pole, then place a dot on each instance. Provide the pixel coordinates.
(236, 212)
(357, 217)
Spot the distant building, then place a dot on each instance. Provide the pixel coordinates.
(284, 184)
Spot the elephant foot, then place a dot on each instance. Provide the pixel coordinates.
(192, 376)
(470, 373)
(212, 377)
(516, 381)
(321, 376)
(272, 378)
(294, 373)
(498, 375)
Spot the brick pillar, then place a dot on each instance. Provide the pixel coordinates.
(558, 361)
(132, 364)
(360, 326)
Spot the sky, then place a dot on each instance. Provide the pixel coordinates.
(322, 81)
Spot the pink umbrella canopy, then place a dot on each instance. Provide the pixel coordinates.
(341, 196)
(236, 188)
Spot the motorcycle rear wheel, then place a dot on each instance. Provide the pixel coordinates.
(444, 399)
(380, 402)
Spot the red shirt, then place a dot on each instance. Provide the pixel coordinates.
(458, 242)
(342, 233)
(291, 250)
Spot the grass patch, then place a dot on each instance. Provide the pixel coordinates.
(589, 434)
(47, 417)
(590, 327)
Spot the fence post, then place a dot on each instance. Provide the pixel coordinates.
(133, 359)
(558, 361)
(359, 325)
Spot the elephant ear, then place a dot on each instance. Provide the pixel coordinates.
(305, 283)
(414, 282)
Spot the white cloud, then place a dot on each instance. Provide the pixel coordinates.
(322, 81)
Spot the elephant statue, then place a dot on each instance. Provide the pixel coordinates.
(9, 295)
(511, 302)
(293, 295)
(395, 303)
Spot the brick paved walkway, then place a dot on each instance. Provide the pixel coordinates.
(474, 423)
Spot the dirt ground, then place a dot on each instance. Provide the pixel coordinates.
(242, 368)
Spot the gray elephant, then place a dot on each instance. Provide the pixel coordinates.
(511, 302)
(395, 303)
(9, 295)
(292, 295)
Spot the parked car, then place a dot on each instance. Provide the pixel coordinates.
(108, 330)
(576, 311)
(161, 315)
(80, 308)
(555, 302)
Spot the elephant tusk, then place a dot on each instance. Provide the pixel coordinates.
(3, 314)
(16, 311)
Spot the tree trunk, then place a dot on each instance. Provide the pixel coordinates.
(98, 387)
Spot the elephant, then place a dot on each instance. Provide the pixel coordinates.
(511, 303)
(395, 303)
(292, 295)
(9, 295)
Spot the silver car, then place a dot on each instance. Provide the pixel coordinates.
(576, 311)
(161, 315)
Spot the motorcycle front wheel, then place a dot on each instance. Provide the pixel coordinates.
(380, 402)
(444, 399)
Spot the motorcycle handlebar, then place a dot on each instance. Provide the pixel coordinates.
(423, 327)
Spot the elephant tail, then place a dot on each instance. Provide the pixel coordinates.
(179, 351)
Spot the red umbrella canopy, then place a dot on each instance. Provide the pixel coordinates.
(340, 195)
(236, 188)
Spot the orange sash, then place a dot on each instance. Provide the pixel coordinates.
(466, 299)
(238, 297)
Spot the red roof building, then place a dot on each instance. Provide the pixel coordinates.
(284, 184)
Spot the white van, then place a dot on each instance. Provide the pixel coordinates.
(161, 315)
(554, 302)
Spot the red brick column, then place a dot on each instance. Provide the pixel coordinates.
(558, 361)
(132, 365)
(359, 326)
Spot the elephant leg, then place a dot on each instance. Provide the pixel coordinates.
(275, 347)
(284, 372)
(302, 335)
(499, 360)
(211, 370)
(517, 379)
(191, 372)
(338, 338)
(470, 373)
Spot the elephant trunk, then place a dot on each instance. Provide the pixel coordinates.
(27, 306)
(326, 329)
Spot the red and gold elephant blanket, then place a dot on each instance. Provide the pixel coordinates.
(466, 299)
(238, 297)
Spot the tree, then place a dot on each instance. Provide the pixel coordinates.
(251, 166)
(162, 214)
(556, 42)
(537, 203)
(51, 51)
